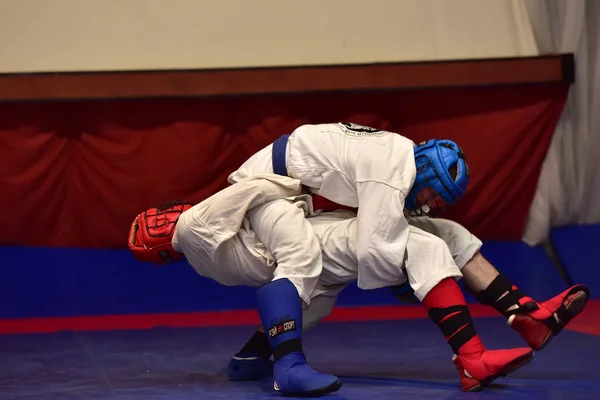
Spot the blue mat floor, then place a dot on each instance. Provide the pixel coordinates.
(376, 360)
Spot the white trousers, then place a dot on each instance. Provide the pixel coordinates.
(428, 239)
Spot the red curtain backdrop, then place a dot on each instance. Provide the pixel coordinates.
(76, 173)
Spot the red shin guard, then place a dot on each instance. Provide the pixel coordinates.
(477, 367)
(448, 309)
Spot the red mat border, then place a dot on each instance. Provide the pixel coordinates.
(587, 322)
(208, 319)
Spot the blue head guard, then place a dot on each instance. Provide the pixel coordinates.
(442, 174)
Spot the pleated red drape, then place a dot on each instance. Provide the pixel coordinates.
(76, 173)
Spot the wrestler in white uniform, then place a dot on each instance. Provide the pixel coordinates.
(217, 239)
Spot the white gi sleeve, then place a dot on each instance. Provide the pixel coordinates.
(382, 234)
(282, 227)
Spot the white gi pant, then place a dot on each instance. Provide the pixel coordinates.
(427, 263)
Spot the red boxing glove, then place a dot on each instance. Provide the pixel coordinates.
(152, 231)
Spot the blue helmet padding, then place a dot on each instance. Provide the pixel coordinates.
(433, 159)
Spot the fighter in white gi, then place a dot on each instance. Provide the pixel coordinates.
(380, 172)
(242, 236)
(216, 238)
(385, 175)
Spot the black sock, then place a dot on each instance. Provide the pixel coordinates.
(258, 344)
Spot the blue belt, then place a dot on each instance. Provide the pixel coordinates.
(279, 150)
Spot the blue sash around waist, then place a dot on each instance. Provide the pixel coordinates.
(279, 152)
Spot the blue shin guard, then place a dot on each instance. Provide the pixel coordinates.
(280, 312)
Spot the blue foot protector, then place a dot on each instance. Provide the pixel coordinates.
(280, 312)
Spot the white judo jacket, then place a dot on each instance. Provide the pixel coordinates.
(360, 167)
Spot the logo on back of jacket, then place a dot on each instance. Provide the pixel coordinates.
(352, 129)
